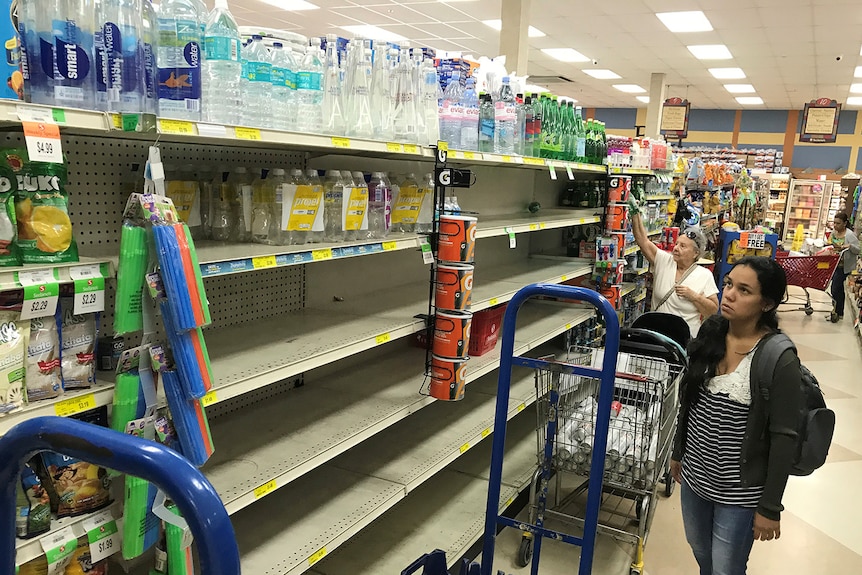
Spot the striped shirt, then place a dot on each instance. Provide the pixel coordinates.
(716, 428)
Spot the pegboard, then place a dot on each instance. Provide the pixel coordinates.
(242, 298)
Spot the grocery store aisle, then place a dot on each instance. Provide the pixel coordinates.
(820, 527)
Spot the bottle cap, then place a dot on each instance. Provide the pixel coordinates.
(277, 45)
(256, 37)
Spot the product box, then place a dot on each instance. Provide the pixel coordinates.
(445, 67)
(13, 87)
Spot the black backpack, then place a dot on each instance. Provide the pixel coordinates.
(818, 421)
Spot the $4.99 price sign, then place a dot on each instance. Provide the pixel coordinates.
(43, 142)
(102, 535)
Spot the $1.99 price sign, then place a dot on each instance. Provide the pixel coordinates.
(102, 535)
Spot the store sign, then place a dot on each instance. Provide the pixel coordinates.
(820, 121)
(674, 118)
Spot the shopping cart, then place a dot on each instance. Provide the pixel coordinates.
(808, 272)
(604, 392)
(180, 480)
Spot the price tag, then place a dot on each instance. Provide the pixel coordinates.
(263, 262)
(534, 227)
(75, 405)
(265, 489)
(389, 246)
(427, 254)
(512, 241)
(43, 142)
(89, 295)
(59, 548)
(393, 147)
(522, 407)
(411, 149)
(209, 399)
(486, 432)
(553, 171)
(564, 278)
(382, 338)
(464, 447)
(569, 172)
(510, 501)
(749, 240)
(37, 277)
(213, 130)
(248, 133)
(341, 142)
(103, 536)
(320, 255)
(568, 326)
(493, 301)
(441, 145)
(41, 300)
(176, 127)
(542, 225)
(534, 161)
(86, 272)
(59, 115)
(507, 159)
(469, 155)
(320, 554)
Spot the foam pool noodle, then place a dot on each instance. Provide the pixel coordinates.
(188, 278)
(134, 255)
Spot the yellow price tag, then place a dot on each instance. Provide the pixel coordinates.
(389, 246)
(494, 301)
(321, 553)
(118, 121)
(382, 338)
(486, 432)
(510, 501)
(320, 255)
(341, 142)
(176, 127)
(248, 134)
(522, 407)
(411, 149)
(568, 326)
(563, 278)
(534, 227)
(534, 161)
(75, 405)
(394, 147)
(265, 489)
(542, 225)
(507, 159)
(469, 156)
(465, 447)
(263, 262)
(209, 399)
(441, 145)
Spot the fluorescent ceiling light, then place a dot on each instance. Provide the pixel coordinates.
(498, 25)
(533, 89)
(710, 52)
(727, 73)
(629, 88)
(292, 5)
(740, 88)
(858, 72)
(694, 21)
(644, 99)
(565, 54)
(373, 32)
(753, 100)
(856, 88)
(854, 101)
(601, 74)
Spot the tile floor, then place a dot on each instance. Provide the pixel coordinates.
(821, 527)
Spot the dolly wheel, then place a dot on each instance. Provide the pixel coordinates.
(809, 310)
(525, 552)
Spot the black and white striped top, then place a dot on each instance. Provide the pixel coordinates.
(716, 428)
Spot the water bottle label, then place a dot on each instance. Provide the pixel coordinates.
(504, 112)
(486, 128)
(316, 81)
(180, 86)
(71, 46)
(407, 205)
(355, 210)
(222, 48)
(305, 203)
(303, 81)
(260, 72)
(25, 62)
(457, 112)
(582, 147)
(290, 79)
(279, 76)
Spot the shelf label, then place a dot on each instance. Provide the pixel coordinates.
(212, 130)
(382, 338)
(265, 489)
(103, 535)
(320, 255)
(507, 159)
(341, 142)
(522, 407)
(41, 300)
(553, 171)
(394, 147)
(89, 295)
(59, 115)
(486, 432)
(263, 262)
(568, 326)
(411, 149)
(493, 301)
(534, 161)
(320, 554)
(563, 278)
(87, 272)
(427, 254)
(248, 133)
(749, 240)
(510, 501)
(542, 225)
(43, 142)
(469, 155)
(125, 122)
(59, 548)
(464, 447)
(75, 405)
(37, 277)
(441, 145)
(534, 227)
(209, 399)
(389, 246)
(569, 172)
(512, 241)
(176, 127)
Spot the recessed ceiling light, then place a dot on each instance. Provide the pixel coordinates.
(498, 25)
(856, 88)
(710, 52)
(629, 88)
(752, 100)
(858, 72)
(727, 73)
(373, 32)
(534, 89)
(565, 54)
(644, 99)
(740, 88)
(601, 74)
(693, 21)
(854, 101)
(292, 5)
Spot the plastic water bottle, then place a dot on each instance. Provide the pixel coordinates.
(381, 98)
(241, 204)
(379, 206)
(333, 205)
(62, 64)
(470, 119)
(334, 121)
(520, 126)
(179, 60)
(309, 92)
(425, 218)
(404, 114)
(118, 59)
(277, 180)
(358, 101)
(281, 92)
(431, 95)
(257, 97)
(505, 120)
(486, 124)
(358, 202)
(318, 229)
(150, 42)
(261, 214)
(450, 115)
(222, 68)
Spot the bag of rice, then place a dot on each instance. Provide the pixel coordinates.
(78, 334)
(14, 335)
(43, 379)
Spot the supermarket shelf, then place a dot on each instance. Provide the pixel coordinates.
(857, 323)
(29, 549)
(524, 222)
(640, 297)
(658, 198)
(9, 276)
(631, 171)
(654, 233)
(627, 289)
(632, 250)
(70, 403)
(484, 158)
(306, 429)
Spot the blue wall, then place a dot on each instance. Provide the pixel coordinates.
(617, 118)
(825, 157)
(712, 121)
(763, 121)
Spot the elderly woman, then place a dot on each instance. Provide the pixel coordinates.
(680, 286)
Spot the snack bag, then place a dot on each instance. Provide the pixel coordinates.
(78, 342)
(82, 563)
(41, 209)
(14, 336)
(33, 508)
(10, 255)
(42, 379)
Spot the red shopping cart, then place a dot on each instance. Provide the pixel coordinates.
(808, 272)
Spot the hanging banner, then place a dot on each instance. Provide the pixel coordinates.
(820, 121)
(674, 118)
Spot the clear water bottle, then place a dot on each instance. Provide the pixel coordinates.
(424, 221)
(356, 211)
(334, 121)
(179, 60)
(62, 63)
(150, 43)
(379, 206)
(404, 114)
(309, 92)
(450, 115)
(257, 97)
(520, 126)
(360, 124)
(406, 205)
(277, 178)
(241, 204)
(297, 234)
(119, 70)
(505, 120)
(281, 92)
(431, 95)
(222, 97)
(381, 98)
(318, 227)
(416, 71)
(261, 212)
(333, 206)
(223, 221)
(486, 124)
(470, 118)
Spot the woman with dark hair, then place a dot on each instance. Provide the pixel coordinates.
(733, 450)
(842, 239)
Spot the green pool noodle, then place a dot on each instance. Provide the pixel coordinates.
(125, 406)
(135, 511)
(128, 310)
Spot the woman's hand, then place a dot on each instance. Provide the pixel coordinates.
(676, 471)
(685, 292)
(766, 529)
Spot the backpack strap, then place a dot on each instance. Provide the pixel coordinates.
(765, 360)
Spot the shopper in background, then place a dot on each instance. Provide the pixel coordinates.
(733, 452)
(843, 240)
(680, 286)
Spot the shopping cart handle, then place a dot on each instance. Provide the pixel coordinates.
(180, 480)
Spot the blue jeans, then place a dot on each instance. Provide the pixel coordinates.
(720, 535)
(838, 279)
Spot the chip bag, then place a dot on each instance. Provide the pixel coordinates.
(33, 507)
(43, 379)
(78, 337)
(14, 337)
(10, 255)
(82, 563)
(41, 209)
